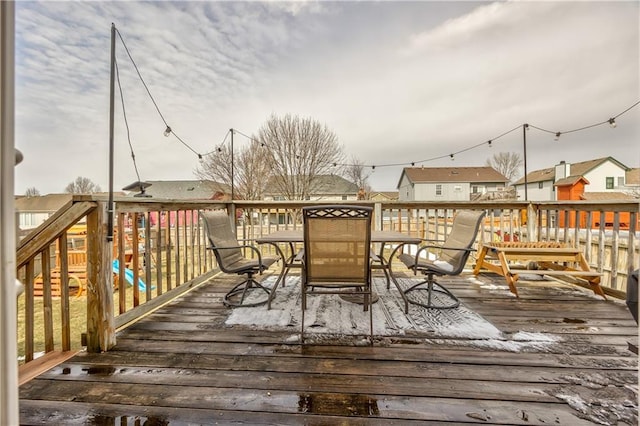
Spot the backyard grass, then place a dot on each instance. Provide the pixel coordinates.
(77, 315)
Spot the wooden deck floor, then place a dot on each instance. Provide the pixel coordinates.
(182, 365)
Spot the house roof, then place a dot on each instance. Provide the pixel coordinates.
(452, 174)
(571, 180)
(42, 203)
(606, 196)
(389, 195)
(184, 189)
(577, 169)
(632, 177)
(322, 185)
(333, 184)
(541, 175)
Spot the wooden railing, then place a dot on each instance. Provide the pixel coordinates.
(160, 247)
(75, 296)
(610, 245)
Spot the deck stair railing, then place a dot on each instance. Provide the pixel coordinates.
(72, 296)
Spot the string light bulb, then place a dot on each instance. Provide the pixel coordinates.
(612, 123)
(167, 131)
(557, 136)
(451, 155)
(489, 142)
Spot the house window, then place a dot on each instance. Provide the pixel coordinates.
(344, 197)
(620, 180)
(438, 189)
(540, 185)
(474, 189)
(609, 182)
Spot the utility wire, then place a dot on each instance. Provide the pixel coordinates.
(126, 122)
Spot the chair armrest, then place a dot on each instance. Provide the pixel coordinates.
(249, 246)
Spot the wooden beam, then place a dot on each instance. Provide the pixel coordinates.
(100, 317)
(49, 360)
(52, 228)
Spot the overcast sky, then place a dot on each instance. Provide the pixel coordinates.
(398, 82)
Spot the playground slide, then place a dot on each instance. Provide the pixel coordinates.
(128, 276)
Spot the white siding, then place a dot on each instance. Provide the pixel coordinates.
(535, 193)
(598, 177)
(30, 220)
(406, 189)
(457, 191)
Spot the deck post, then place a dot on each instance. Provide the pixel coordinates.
(100, 316)
(532, 221)
(9, 412)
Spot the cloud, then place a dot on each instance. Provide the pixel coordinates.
(396, 81)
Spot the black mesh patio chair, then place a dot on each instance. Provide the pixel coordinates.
(228, 253)
(450, 259)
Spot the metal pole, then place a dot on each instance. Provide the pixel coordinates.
(111, 144)
(9, 409)
(524, 139)
(232, 196)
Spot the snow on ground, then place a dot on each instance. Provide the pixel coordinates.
(329, 317)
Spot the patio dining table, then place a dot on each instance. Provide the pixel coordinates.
(292, 237)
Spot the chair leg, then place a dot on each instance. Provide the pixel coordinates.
(304, 308)
(371, 320)
(231, 298)
(432, 287)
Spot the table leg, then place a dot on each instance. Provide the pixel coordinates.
(283, 272)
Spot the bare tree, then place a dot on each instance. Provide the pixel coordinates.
(251, 169)
(32, 192)
(507, 163)
(299, 149)
(82, 185)
(356, 173)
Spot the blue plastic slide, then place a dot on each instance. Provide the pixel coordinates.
(128, 276)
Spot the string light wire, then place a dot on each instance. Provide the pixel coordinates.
(126, 122)
(490, 142)
(169, 129)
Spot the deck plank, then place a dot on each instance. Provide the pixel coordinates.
(183, 365)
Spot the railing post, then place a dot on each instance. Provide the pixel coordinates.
(532, 221)
(377, 214)
(100, 315)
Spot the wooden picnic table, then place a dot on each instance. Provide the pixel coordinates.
(552, 258)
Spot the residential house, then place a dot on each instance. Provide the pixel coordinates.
(181, 190)
(33, 211)
(323, 188)
(185, 190)
(449, 183)
(599, 175)
(632, 182)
